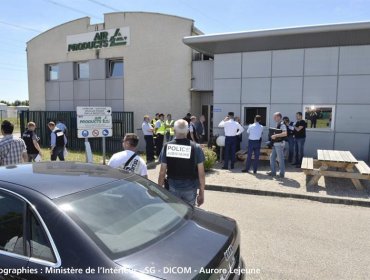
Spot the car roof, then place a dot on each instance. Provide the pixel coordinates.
(57, 179)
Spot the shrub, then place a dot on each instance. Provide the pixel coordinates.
(210, 159)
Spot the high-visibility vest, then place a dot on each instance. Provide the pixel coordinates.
(162, 128)
(169, 127)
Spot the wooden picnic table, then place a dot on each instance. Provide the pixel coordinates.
(343, 161)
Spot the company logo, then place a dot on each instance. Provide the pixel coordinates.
(229, 252)
(101, 39)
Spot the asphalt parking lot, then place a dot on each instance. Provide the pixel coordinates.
(298, 239)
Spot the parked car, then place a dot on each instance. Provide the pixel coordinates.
(66, 220)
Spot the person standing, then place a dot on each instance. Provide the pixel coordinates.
(201, 129)
(153, 122)
(160, 131)
(300, 139)
(30, 138)
(13, 150)
(193, 135)
(187, 118)
(290, 139)
(232, 130)
(58, 142)
(240, 136)
(128, 159)
(255, 131)
(278, 144)
(313, 118)
(149, 140)
(169, 123)
(182, 160)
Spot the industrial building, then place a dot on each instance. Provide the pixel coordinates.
(322, 71)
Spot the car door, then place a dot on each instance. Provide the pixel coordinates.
(13, 253)
(43, 255)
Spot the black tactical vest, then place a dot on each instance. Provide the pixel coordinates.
(280, 139)
(59, 135)
(27, 138)
(180, 168)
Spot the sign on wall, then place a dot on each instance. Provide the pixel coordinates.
(99, 39)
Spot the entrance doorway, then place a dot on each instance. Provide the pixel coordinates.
(207, 111)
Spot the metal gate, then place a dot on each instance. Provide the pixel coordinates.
(123, 122)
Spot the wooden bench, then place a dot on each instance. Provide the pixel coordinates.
(307, 165)
(363, 168)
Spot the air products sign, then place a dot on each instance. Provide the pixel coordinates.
(98, 40)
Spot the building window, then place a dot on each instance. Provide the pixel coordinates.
(52, 72)
(319, 116)
(115, 68)
(82, 70)
(251, 112)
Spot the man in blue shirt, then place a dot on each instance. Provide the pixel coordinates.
(254, 144)
(58, 141)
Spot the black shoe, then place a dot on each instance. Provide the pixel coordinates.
(271, 174)
(254, 172)
(281, 176)
(232, 166)
(225, 168)
(245, 171)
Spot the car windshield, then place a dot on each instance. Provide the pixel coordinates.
(126, 215)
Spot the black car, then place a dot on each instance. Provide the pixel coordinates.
(62, 220)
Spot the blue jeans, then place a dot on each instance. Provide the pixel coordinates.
(278, 152)
(299, 150)
(230, 150)
(291, 148)
(254, 146)
(187, 195)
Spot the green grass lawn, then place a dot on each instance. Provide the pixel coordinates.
(76, 156)
(80, 156)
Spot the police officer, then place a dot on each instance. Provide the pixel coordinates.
(160, 131)
(30, 138)
(278, 142)
(169, 124)
(182, 161)
(58, 142)
(290, 139)
(232, 130)
(148, 137)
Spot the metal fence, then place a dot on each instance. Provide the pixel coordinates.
(123, 122)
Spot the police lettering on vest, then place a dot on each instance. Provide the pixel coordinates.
(180, 156)
(28, 140)
(59, 142)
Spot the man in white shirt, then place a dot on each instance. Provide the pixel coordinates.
(254, 144)
(232, 130)
(149, 140)
(128, 159)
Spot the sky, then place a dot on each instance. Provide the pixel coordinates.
(21, 20)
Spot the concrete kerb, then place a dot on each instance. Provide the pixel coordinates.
(323, 199)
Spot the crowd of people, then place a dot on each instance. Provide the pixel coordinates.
(285, 133)
(176, 146)
(14, 150)
(159, 130)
